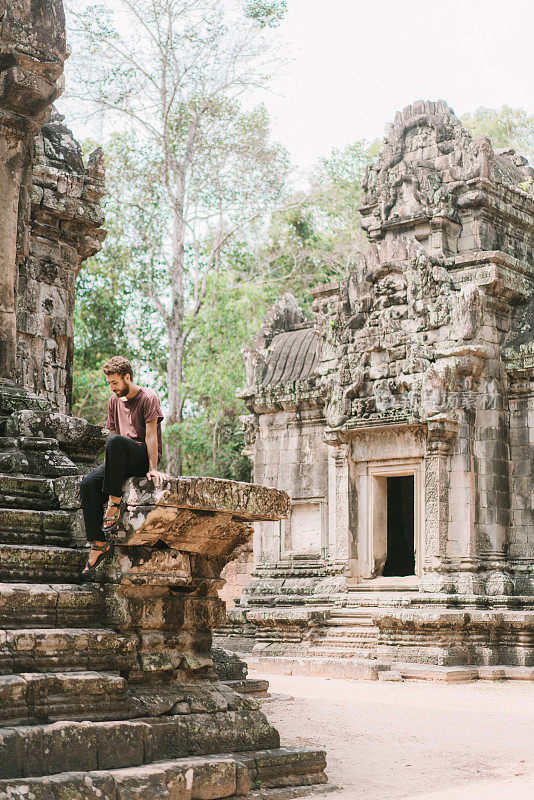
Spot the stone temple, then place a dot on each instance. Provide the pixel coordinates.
(400, 419)
(109, 689)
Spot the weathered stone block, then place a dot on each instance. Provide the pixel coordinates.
(230, 731)
(214, 780)
(11, 753)
(165, 740)
(74, 435)
(120, 745)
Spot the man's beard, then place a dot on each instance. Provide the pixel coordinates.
(122, 392)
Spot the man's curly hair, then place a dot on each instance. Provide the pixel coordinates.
(118, 365)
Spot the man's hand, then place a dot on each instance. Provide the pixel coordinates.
(158, 477)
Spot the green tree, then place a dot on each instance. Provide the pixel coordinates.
(317, 237)
(103, 295)
(199, 168)
(213, 370)
(504, 127)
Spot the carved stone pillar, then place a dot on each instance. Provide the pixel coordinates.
(441, 433)
(32, 52)
(339, 530)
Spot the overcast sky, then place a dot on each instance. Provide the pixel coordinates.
(353, 63)
(356, 62)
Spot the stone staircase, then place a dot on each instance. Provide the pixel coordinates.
(57, 659)
(92, 703)
(349, 633)
(349, 630)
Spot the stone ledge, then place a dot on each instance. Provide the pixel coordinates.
(189, 778)
(244, 501)
(303, 617)
(206, 516)
(371, 669)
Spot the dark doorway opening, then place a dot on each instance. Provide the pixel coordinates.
(400, 531)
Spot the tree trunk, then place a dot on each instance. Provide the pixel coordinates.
(176, 401)
(175, 328)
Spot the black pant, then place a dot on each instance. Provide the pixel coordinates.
(124, 459)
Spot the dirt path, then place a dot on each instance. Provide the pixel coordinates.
(416, 740)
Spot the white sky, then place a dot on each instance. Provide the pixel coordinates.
(356, 62)
(353, 63)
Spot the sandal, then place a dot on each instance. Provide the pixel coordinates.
(114, 519)
(105, 551)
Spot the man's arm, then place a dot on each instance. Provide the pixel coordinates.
(110, 422)
(151, 438)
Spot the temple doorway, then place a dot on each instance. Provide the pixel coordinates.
(391, 520)
(400, 560)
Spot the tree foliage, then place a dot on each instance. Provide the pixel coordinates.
(505, 127)
(195, 168)
(101, 330)
(266, 13)
(211, 429)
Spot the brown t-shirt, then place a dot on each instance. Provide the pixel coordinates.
(129, 417)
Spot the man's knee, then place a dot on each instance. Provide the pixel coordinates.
(114, 442)
(89, 484)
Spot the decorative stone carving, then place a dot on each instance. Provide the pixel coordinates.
(32, 52)
(65, 228)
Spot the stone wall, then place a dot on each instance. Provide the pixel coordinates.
(236, 575)
(520, 362)
(32, 49)
(290, 453)
(49, 209)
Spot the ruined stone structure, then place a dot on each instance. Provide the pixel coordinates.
(106, 690)
(50, 209)
(65, 220)
(400, 419)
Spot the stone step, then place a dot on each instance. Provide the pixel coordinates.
(27, 605)
(370, 599)
(362, 619)
(349, 630)
(35, 457)
(41, 563)
(345, 641)
(36, 750)
(36, 527)
(33, 493)
(57, 649)
(384, 587)
(190, 778)
(354, 644)
(37, 697)
(341, 653)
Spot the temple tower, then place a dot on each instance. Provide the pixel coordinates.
(399, 417)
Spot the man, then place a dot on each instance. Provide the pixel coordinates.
(133, 448)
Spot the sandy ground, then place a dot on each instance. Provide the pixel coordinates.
(417, 740)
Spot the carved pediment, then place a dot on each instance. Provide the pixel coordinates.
(430, 170)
